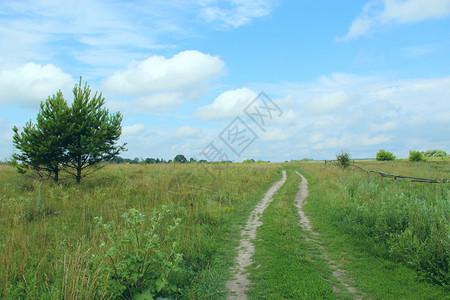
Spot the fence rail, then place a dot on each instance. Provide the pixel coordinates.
(383, 174)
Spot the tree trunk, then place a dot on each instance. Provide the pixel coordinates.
(56, 174)
(78, 175)
(79, 167)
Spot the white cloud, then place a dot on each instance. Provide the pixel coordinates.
(366, 140)
(369, 113)
(161, 82)
(185, 71)
(155, 103)
(104, 34)
(31, 83)
(288, 117)
(363, 114)
(133, 130)
(328, 103)
(228, 104)
(238, 12)
(186, 131)
(99, 29)
(333, 143)
(379, 13)
(350, 141)
(274, 135)
(384, 126)
(414, 10)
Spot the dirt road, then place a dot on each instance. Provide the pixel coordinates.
(239, 284)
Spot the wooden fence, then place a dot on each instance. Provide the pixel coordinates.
(383, 174)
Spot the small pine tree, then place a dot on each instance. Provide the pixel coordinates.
(69, 138)
(343, 159)
(93, 132)
(42, 146)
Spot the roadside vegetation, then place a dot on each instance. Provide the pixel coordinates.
(392, 239)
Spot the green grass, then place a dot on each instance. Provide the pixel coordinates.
(285, 265)
(48, 234)
(392, 240)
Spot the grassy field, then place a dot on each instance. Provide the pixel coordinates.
(49, 237)
(391, 240)
(394, 240)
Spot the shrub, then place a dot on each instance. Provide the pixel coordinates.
(139, 259)
(435, 153)
(343, 159)
(383, 155)
(415, 156)
(248, 161)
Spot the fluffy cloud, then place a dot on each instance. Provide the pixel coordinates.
(349, 141)
(236, 12)
(158, 81)
(187, 131)
(381, 12)
(363, 114)
(31, 83)
(133, 130)
(414, 10)
(328, 103)
(276, 134)
(228, 104)
(185, 71)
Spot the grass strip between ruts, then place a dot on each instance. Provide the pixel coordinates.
(285, 264)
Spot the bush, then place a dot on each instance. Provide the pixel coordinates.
(415, 156)
(248, 161)
(343, 159)
(383, 155)
(435, 153)
(139, 258)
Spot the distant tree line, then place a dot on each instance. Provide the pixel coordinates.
(384, 155)
(252, 161)
(180, 159)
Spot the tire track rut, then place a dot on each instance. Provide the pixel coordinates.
(300, 201)
(239, 284)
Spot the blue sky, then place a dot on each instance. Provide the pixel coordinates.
(356, 75)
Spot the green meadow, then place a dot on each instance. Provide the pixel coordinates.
(171, 230)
